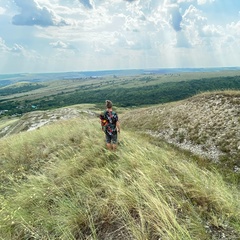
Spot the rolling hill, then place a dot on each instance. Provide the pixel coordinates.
(144, 89)
(58, 181)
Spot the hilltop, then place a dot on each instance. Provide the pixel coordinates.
(58, 181)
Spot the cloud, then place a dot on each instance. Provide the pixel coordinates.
(16, 49)
(59, 44)
(175, 8)
(211, 31)
(32, 14)
(234, 28)
(2, 10)
(3, 47)
(87, 3)
(115, 33)
(62, 45)
(201, 2)
(176, 19)
(172, 8)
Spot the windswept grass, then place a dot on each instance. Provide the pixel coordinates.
(207, 125)
(59, 182)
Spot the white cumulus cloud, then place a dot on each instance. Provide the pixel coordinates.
(107, 34)
(31, 13)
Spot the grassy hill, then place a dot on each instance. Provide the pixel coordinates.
(59, 182)
(207, 125)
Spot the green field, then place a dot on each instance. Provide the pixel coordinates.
(126, 91)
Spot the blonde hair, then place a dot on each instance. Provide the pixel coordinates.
(108, 104)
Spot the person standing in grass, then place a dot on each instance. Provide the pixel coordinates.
(110, 126)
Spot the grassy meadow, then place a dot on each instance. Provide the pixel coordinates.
(60, 182)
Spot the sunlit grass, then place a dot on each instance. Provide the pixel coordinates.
(206, 124)
(60, 182)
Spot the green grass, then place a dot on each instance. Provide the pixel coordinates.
(60, 182)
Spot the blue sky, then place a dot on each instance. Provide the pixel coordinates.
(79, 35)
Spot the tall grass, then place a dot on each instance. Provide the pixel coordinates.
(60, 182)
(207, 125)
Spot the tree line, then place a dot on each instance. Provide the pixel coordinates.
(126, 97)
(19, 89)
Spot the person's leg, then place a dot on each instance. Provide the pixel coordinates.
(114, 147)
(109, 146)
(114, 141)
(108, 141)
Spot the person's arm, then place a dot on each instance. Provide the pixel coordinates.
(118, 126)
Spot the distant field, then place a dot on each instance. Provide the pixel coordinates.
(123, 90)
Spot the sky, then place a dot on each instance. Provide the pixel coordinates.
(92, 35)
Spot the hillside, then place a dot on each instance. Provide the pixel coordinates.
(59, 182)
(34, 120)
(207, 124)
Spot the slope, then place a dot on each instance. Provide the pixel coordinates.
(207, 124)
(59, 182)
(36, 119)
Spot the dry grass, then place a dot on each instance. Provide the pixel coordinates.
(59, 182)
(207, 124)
